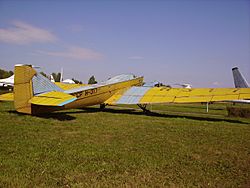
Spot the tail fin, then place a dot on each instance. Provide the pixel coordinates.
(27, 84)
(239, 80)
(23, 90)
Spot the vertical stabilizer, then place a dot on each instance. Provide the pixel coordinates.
(23, 90)
(28, 84)
(239, 80)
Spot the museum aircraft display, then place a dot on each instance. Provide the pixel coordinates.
(66, 81)
(35, 94)
(7, 82)
(239, 82)
(188, 86)
(64, 84)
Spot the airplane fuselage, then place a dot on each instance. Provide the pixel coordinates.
(98, 94)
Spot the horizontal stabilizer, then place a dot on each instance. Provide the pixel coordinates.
(143, 95)
(53, 98)
(7, 97)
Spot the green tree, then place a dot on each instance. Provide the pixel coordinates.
(45, 75)
(56, 76)
(77, 81)
(5, 74)
(92, 80)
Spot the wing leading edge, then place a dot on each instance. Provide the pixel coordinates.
(147, 95)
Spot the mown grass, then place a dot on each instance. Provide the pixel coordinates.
(125, 148)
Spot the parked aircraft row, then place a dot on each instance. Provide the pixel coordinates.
(35, 94)
(7, 82)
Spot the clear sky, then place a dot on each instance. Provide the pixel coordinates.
(196, 42)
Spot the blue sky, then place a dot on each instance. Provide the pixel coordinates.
(196, 42)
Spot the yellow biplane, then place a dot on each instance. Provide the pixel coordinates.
(35, 94)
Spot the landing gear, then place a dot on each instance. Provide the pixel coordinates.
(102, 106)
(144, 108)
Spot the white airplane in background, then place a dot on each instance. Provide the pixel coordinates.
(7, 82)
(66, 81)
(159, 84)
(188, 86)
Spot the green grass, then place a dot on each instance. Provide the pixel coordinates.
(175, 147)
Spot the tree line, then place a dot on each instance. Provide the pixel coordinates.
(5, 74)
(56, 76)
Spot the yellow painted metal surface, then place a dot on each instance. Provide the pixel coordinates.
(7, 97)
(23, 88)
(65, 86)
(113, 93)
(116, 96)
(53, 98)
(101, 94)
(182, 95)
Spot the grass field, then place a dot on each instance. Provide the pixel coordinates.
(178, 146)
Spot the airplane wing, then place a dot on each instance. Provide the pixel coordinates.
(53, 98)
(7, 97)
(66, 86)
(148, 95)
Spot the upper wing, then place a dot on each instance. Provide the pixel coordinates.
(53, 98)
(148, 95)
(7, 97)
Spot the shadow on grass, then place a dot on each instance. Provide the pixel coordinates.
(156, 114)
(199, 107)
(65, 115)
(61, 116)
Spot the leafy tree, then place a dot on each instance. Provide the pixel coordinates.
(92, 80)
(77, 81)
(5, 74)
(45, 75)
(56, 76)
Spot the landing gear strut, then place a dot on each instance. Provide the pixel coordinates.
(144, 108)
(102, 106)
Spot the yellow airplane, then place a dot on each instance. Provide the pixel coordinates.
(35, 94)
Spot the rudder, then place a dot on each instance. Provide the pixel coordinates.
(28, 83)
(239, 80)
(23, 90)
